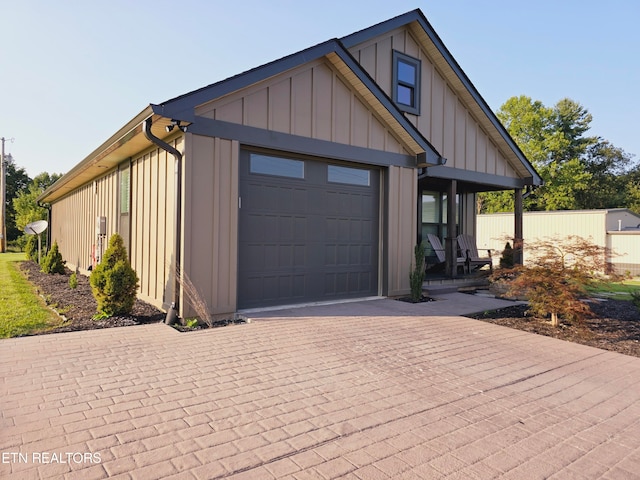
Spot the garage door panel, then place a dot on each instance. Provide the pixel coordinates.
(306, 239)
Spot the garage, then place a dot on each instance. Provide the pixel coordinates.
(308, 230)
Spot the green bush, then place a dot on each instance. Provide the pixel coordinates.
(635, 298)
(416, 277)
(113, 281)
(31, 248)
(506, 259)
(52, 262)
(73, 280)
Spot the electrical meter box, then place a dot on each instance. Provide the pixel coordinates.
(101, 225)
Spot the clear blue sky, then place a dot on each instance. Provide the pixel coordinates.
(74, 72)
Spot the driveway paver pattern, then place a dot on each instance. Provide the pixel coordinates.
(366, 396)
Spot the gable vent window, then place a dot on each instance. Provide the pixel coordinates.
(406, 83)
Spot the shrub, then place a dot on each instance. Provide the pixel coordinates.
(31, 248)
(506, 259)
(52, 262)
(558, 276)
(416, 277)
(73, 280)
(635, 298)
(113, 281)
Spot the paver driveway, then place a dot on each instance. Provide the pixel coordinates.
(360, 397)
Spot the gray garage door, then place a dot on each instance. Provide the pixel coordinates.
(308, 231)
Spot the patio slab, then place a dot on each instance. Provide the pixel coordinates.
(366, 390)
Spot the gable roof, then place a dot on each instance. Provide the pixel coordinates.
(182, 107)
(449, 67)
(130, 139)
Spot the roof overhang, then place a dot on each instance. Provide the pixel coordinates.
(126, 142)
(444, 62)
(183, 107)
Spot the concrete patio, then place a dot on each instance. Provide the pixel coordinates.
(365, 390)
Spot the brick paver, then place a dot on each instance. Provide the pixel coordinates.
(367, 395)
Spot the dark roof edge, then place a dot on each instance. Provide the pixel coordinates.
(181, 108)
(417, 16)
(244, 79)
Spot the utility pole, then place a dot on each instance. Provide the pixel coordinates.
(3, 194)
(3, 198)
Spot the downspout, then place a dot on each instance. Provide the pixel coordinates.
(172, 312)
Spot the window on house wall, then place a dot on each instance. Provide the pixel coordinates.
(406, 83)
(434, 215)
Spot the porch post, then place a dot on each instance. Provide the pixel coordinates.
(518, 235)
(451, 247)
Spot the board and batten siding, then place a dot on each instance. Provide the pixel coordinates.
(152, 223)
(310, 101)
(444, 120)
(401, 228)
(74, 220)
(210, 216)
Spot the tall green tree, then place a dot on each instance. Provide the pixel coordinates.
(17, 180)
(25, 203)
(579, 171)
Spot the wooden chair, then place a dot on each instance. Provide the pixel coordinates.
(469, 249)
(438, 249)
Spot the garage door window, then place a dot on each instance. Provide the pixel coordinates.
(281, 167)
(349, 176)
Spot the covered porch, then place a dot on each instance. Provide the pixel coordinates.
(447, 207)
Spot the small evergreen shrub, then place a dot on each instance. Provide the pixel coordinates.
(113, 281)
(506, 259)
(31, 248)
(416, 277)
(52, 262)
(73, 281)
(635, 298)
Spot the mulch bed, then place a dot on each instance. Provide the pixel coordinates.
(615, 326)
(78, 305)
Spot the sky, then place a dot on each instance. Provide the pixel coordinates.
(72, 73)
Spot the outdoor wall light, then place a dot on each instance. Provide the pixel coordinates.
(175, 123)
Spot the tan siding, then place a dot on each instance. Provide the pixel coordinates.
(436, 112)
(254, 114)
(401, 232)
(322, 94)
(211, 221)
(152, 223)
(302, 113)
(313, 101)
(445, 120)
(74, 220)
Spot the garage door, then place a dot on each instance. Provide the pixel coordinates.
(308, 231)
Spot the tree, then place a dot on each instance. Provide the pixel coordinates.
(556, 279)
(113, 282)
(25, 202)
(416, 277)
(16, 181)
(53, 262)
(579, 171)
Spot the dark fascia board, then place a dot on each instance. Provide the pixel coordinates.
(417, 16)
(477, 177)
(182, 107)
(259, 137)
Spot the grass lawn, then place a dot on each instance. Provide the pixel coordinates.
(22, 311)
(617, 290)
